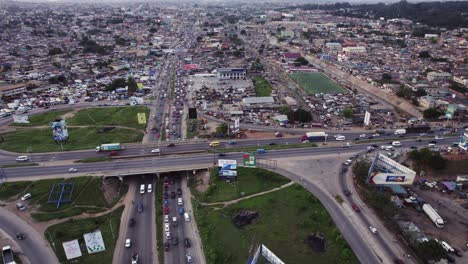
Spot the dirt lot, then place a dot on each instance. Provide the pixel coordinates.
(455, 231)
(110, 188)
(202, 179)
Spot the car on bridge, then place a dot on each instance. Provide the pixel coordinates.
(22, 158)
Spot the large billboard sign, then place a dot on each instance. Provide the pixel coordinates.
(250, 160)
(227, 173)
(385, 171)
(236, 125)
(59, 130)
(72, 249)
(223, 163)
(463, 143)
(270, 256)
(94, 242)
(367, 116)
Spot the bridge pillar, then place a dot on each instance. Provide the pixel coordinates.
(158, 175)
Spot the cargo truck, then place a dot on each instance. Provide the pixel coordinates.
(7, 255)
(433, 215)
(314, 136)
(109, 147)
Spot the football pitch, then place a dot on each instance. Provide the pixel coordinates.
(315, 82)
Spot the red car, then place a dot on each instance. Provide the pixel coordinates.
(356, 208)
(166, 210)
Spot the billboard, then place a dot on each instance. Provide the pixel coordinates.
(236, 125)
(59, 130)
(463, 143)
(367, 118)
(22, 119)
(227, 173)
(270, 256)
(250, 160)
(94, 242)
(223, 162)
(385, 171)
(141, 118)
(72, 249)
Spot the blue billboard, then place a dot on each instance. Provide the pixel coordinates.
(59, 130)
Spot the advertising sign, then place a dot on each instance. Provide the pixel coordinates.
(59, 130)
(222, 162)
(22, 119)
(395, 178)
(250, 160)
(270, 256)
(367, 118)
(141, 118)
(94, 242)
(229, 167)
(236, 125)
(72, 249)
(227, 173)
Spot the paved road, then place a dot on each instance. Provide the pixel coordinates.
(34, 247)
(142, 233)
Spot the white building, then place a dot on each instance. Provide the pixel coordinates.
(231, 73)
(354, 50)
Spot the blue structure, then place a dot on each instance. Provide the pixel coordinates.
(61, 193)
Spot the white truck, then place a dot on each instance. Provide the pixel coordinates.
(400, 132)
(7, 255)
(433, 215)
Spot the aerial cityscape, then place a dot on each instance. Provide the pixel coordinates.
(233, 132)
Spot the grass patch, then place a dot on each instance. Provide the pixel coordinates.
(159, 220)
(262, 86)
(13, 189)
(456, 167)
(249, 181)
(14, 165)
(93, 159)
(87, 197)
(112, 116)
(74, 229)
(286, 218)
(315, 82)
(268, 147)
(41, 140)
(192, 134)
(43, 119)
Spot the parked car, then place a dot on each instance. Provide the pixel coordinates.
(167, 245)
(188, 258)
(175, 241)
(20, 206)
(180, 201)
(166, 210)
(347, 192)
(25, 197)
(179, 191)
(170, 145)
(131, 223)
(166, 219)
(173, 195)
(150, 188)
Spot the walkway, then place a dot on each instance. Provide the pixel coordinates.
(227, 203)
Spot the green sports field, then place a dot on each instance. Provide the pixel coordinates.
(316, 82)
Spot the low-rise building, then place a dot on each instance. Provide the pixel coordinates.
(12, 89)
(231, 73)
(439, 76)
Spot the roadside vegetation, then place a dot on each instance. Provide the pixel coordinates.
(43, 119)
(286, 218)
(262, 86)
(87, 197)
(249, 181)
(41, 140)
(111, 116)
(268, 147)
(94, 159)
(192, 128)
(14, 165)
(74, 229)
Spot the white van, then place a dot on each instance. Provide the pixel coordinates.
(25, 197)
(431, 145)
(142, 188)
(340, 138)
(187, 217)
(396, 144)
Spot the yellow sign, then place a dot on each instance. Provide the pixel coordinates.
(141, 118)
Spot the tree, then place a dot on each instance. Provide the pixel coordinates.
(300, 115)
(301, 61)
(348, 113)
(132, 86)
(420, 92)
(55, 51)
(242, 32)
(430, 250)
(222, 129)
(437, 162)
(424, 54)
(284, 110)
(153, 30)
(432, 113)
(386, 76)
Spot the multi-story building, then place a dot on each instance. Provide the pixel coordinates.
(231, 73)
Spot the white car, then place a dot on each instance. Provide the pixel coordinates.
(373, 229)
(168, 235)
(167, 227)
(25, 197)
(340, 138)
(376, 135)
(150, 188)
(128, 243)
(188, 258)
(166, 219)
(72, 170)
(142, 189)
(362, 135)
(155, 151)
(179, 201)
(22, 158)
